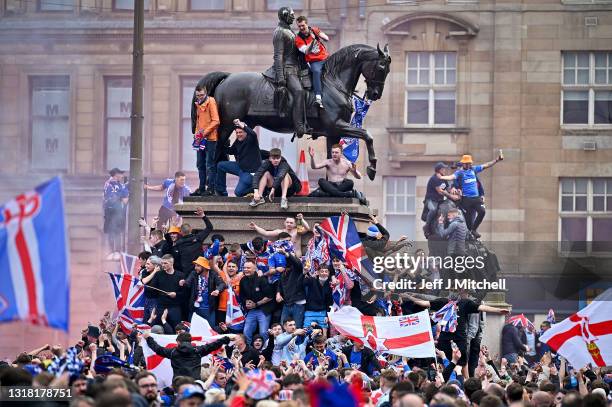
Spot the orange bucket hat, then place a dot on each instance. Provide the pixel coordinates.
(466, 159)
(203, 262)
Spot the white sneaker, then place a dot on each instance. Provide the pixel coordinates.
(284, 204)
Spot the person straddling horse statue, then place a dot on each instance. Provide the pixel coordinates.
(250, 96)
(308, 41)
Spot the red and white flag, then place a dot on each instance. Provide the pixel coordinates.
(405, 335)
(201, 333)
(586, 336)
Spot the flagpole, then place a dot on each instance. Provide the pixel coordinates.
(156, 289)
(136, 181)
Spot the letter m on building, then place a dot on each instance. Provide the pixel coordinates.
(52, 110)
(125, 108)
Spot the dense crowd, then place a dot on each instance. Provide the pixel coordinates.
(285, 351)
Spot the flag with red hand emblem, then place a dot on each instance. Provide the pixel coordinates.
(201, 334)
(408, 335)
(586, 336)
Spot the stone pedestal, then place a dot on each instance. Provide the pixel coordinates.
(494, 322)
(230, 216)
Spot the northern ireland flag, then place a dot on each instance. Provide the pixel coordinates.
(201, 333)
(586, 336)
(407, 335)
(34, 274)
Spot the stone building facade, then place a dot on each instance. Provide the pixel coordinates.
(533, 78)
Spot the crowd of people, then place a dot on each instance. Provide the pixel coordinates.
(285, 352)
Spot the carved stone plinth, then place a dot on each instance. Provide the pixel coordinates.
(231, 215)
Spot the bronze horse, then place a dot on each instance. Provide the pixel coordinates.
(249, 96)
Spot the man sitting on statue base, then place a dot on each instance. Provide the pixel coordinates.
(335, 183)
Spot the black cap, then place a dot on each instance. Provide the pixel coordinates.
(93, 331)
(439, 166)
(115, 171)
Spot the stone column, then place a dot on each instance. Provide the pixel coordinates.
(494, 323)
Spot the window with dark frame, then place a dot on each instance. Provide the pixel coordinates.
(400, 204)
(206, 5)
(56, 5)
(187, 153)
(585, 215)
(118, 109)
(50, 122)
(128, 4)
(587, 88)
(431, 89)
(276, 4)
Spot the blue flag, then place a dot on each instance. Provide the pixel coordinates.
(34, 274)
(350, 145)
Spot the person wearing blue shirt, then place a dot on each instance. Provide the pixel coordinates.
(319, 351)
(175, 189)
(471, 201)
(115, 200)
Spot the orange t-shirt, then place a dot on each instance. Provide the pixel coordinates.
(234, 283)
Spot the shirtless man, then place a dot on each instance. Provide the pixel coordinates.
(290, 227)
(336, 169)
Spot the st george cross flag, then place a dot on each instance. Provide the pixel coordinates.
(408, 335)
(129, 264)
(446, 317)
(521, 320)
(343, 242)
(201, 333)
(586, 336)
(129, 294)
(34, 275)
(234, 317)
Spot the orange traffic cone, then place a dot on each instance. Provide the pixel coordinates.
(302, 173)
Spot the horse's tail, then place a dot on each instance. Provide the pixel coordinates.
(210, 81)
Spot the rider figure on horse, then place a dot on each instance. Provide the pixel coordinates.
(286, 67)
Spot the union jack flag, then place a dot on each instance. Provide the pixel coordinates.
(344, 243)
(129, 264)
(447, 317)
(234, 317)
(521, 320)
(262, 383)
(129, 294)
(225, 363)
(409, 320)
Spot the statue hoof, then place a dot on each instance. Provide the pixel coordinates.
(371, 173)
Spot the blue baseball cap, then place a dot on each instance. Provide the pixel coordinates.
(191, 391)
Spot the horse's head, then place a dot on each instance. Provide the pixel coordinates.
(375, 72)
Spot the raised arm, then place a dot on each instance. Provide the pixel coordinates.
(264, 232)
(202, 235)
(418, 301)
(314, 165)
(493, 310)
(355, 171)
(490, 163)
(160, 350)
(159, 187)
